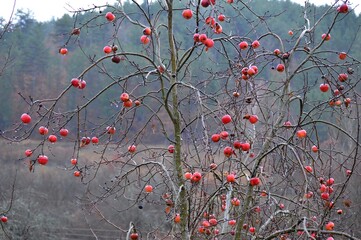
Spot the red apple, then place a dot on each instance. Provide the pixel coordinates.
(330, 181)
(64, 132)
(314, 148)
(187, 14)
(128, 103)
(73, 161)
(326, 37)
(132, 148)
(228, 151)
(342, 55)
(253, 119)
(95, 140)
(202, 37)
(276, 52)
(171, 149)
(147, 31)
(110, 16)
(196, 177)
(107, 49)
(280, 67)
(290, 32)
(75, 82)
(301, 133)
(63, 51)
(255, 44)
(343, 8)
(226, 119)
(28, 152)
(133, 236)
(237, 144)
(235, 202)
(216, 137)
(4, 219)
(342, 77)
(148, 188)
(188, 175)
(243, 45)
(43, 160)
(52, 138)
(25, 118)
(224, 135)
(309, 169)
(110, 130)
(232, 222)
(196, 37)
(205, 3)
(324, 87)
(252, 230)
(144, 39)
(77, 173)
(43, 130)
(255, 181)
(82, 84)
(329, 226)
(325, 196)
(209, 43)
(246, 146)
(231, 178)
(221, 17)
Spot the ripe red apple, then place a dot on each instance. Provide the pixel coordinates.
(124, 97)
(325, 196)
(63, 51)
(342, 55)
(43, 130)
(348, 172)
(77, 173)
(206, 224)
(224, 135)
(132, 148)
(245, 146)
(202, 37)
(330, 181)
(205, 3)
(301, 133)
(226, 119)
(110, 130)
(253, 119)
(128, 103)
(75, 82)
(43, 160)
(187, 14)
(177, 218)
(147, 31)
(216, 137)
(25, 118)
(343, 8)
(309, 169)
(28, 152)
(134, 236)
(52, 138)
(4, 219)
(196, 37)
(228, 151)
(73, 161)
(252, 230)
(110, 16)
(144, 39)
(188, 175)
(107, 49)
(232, 222)
(196, 177)
(171, 149)
(209, 43)
(329, 226)
(339, 211)
(237, 144)
(116, 59)
(290, 32)
(221, 17)
(276, 52)
(280, 67)
(235, 202)
(255, 181)
(287, 124)
(95, 140)
(314, 148)
(342, 77)
(231, 178)
(255, 44)
(82, 84)
(213, 221)
(64, 132)
(148, 188)
(324, 87)
(210, 21)
(281, 206)
(326, 37)
(243, 45)
(250, 72)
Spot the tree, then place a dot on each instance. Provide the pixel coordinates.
(233, 139)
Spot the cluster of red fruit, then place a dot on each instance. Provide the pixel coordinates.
(127, 102)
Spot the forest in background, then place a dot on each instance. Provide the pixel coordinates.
(35, 68)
